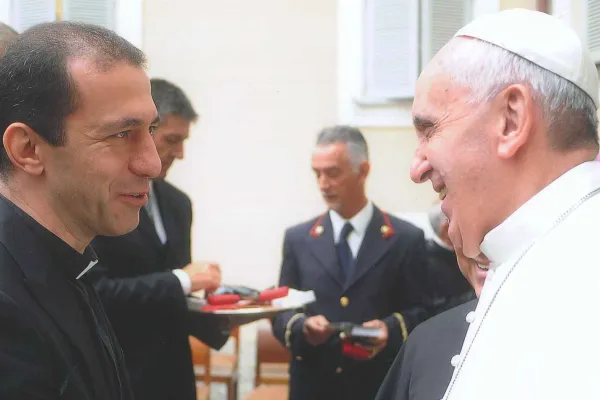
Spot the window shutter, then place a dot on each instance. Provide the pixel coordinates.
(392, 48)
(441, 19)
(27, 13)
(97, 12)
(593, 28)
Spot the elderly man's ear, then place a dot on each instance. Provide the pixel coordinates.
(517, 108)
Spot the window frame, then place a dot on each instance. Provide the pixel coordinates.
(353, 107)
(128, 19)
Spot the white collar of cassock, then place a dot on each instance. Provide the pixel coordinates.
(360, 221)
(539, 214)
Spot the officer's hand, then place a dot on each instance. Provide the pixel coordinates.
(204, 275)
(316, 331)
(379, 343)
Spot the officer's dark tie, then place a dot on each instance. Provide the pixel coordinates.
(343, 250)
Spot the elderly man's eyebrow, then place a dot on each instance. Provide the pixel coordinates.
(422, 123)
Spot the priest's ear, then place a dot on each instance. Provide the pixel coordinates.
(22, 146)
(517, 108)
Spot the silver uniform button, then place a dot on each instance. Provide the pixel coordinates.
(470, 317)
(455, 360)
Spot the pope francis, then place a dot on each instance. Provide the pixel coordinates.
(506, 121)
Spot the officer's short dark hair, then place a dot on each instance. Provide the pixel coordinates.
(36, 87)
(171, 100)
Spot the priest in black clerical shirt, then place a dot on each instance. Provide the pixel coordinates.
(424, 366)
(72, 166)
(54, 276)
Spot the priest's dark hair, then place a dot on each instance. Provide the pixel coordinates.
(36, 87)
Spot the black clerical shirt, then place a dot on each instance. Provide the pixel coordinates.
(110, 380)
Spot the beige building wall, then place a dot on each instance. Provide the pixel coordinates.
(262, 75)
(506, 4)
(390, 185)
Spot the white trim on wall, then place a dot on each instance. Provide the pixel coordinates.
(573, 13)
(562, 10)
(130, 21)
(5, 8)
(353, 109)
(481, 7)
(129, 18)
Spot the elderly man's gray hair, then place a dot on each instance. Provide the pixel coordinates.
(486, 69)
(352, 137)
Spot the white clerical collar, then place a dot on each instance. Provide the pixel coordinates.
(538, 215)
(360, 221)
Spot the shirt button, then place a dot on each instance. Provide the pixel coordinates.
(338, 370)
(455, 360)
(470, 317)
(298, 358)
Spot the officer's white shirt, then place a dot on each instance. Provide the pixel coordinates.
(360, 222)
(154, 211)
(535, 333)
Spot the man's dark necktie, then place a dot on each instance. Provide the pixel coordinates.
(343, 250)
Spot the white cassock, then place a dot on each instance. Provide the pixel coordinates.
(536, 331)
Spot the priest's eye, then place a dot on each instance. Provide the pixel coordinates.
(152, 130)
(122, 134)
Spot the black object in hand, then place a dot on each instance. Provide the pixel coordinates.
(356, 332)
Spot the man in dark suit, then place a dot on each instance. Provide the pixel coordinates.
(421, 370)
(72, 166)
(365, 267)
(146, 274)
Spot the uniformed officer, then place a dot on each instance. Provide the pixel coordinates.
(365, 267)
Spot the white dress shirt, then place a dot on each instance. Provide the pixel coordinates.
(360, 221)
(154, 212)
(532, 290)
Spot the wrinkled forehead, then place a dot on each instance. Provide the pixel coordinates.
(437, 96)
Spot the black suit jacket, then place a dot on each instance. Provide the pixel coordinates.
(146, 304)
(388, 283)
(49, 349)
(422, 369)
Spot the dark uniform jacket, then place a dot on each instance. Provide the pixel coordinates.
(55, 340)
(146, 303)
(388, 283)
